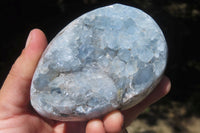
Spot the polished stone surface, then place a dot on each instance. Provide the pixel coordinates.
(109, 58)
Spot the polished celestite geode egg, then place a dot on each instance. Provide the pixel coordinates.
(109, 58)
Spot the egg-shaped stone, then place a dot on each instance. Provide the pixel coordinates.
(109, 58)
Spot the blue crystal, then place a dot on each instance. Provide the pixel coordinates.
(109, 58)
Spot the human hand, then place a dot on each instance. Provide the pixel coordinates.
(17, 115)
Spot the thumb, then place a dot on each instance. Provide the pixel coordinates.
(14, 94)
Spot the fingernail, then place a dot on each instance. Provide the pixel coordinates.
(28, 40)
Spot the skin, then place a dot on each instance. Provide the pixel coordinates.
(17, 115)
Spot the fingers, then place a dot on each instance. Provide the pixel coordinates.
(161, 90)
(95, 126)
(60, 128)
(112, 123)
(15, 90)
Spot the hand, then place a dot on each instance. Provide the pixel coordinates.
(17, 115)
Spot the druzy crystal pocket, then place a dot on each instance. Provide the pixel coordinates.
(109, 58)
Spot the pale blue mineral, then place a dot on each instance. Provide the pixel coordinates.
(109, 58)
